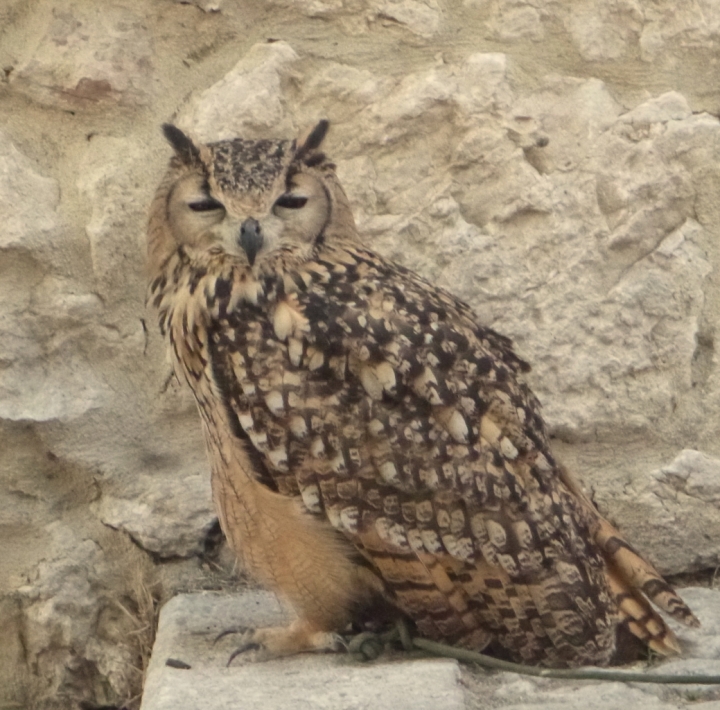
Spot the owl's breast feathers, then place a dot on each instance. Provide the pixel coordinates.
(378, 400)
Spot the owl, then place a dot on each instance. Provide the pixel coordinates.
(373, 447)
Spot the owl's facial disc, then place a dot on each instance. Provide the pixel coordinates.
(287, 221)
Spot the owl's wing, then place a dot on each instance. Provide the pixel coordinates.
(442, 455)
(440, 410)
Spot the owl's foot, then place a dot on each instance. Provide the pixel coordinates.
(278, 641)
(367, 646)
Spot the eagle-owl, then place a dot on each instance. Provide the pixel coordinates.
(371, 443)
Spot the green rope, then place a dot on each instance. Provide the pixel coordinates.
(461, 654)
(368, 646)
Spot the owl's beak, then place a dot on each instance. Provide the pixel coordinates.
(251, 238)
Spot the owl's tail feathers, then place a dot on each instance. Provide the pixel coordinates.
(640, 619)
(640, 575)
(632, 579)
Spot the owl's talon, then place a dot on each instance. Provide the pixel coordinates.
(279, 641)
(232, 630)
(338, 644)
(248, 646)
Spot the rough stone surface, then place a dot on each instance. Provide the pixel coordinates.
(682, 496)
(189, 624)
(186, 632)
(554, 164)
(82, 58)
(80, 613)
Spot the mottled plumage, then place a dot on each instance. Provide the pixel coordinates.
(369, 439)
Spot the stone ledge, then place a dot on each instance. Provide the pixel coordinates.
(190, 622)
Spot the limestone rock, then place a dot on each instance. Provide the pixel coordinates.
(606, 31)
(248, 100)
(422, 17)
(149, 510)
(28, 202)
(695, 25)
(80, 58)
(45, 324)
(76, 624)
(187, 669)
(703, 642)
(186, 632)
(671, 515)
(514, 20)
(41, 313)
(116, 197)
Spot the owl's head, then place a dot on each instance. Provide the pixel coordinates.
(268, 202)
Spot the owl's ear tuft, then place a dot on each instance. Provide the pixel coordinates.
(307, 144)
(185, 149)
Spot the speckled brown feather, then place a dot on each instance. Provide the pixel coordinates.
(347, 387)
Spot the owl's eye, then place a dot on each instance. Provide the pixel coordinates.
(291, 202)
(206, 205)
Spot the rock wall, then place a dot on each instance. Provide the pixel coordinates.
(554, 163)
